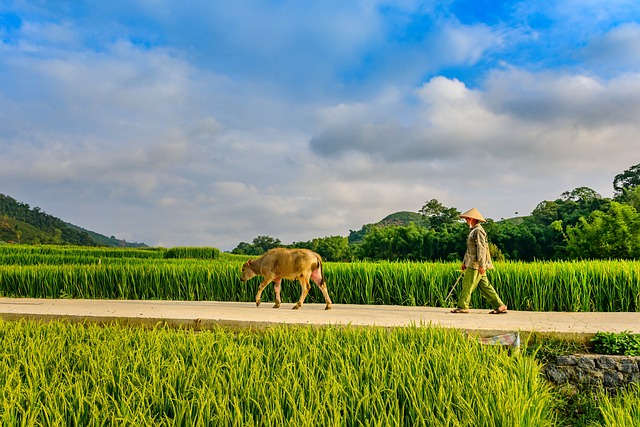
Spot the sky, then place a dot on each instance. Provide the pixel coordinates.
(210, 123)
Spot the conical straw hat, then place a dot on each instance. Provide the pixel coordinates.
(473, 213)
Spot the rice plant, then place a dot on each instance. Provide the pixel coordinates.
(623, 409)
(192, 252)
(72, 375)
(89, 273)
(56, 255)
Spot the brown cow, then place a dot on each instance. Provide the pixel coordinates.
(281, 263)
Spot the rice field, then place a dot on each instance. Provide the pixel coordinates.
(61, 374)
(67, 272)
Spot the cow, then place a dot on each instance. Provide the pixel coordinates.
(281, 263)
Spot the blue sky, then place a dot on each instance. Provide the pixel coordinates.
(211, 123)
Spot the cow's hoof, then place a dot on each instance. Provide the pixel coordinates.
(328, 307)
(257, 303)
(276, 306)
(297, 306)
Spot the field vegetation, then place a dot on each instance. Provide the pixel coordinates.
(111, 273)
(83, 375)
(65, 374)
(75, 375)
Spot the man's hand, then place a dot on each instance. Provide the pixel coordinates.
(482, 270)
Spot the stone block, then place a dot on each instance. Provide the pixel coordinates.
(588, 376)
(566, 360)
(613, 379)
(627, 365)
(586, 362)
(606, 362)
(555, 374)
(590, 369)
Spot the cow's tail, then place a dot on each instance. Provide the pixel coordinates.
(320, 268)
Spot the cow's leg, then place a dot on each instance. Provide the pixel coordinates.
(325, 292)
(276, 288)
(304, 284)
(263, 285)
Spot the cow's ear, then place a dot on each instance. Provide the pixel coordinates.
(249, 262)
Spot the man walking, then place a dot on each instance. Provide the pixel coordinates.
(477, 261)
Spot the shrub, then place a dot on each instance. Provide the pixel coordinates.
(624, 343)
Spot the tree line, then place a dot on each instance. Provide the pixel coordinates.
(580, 224)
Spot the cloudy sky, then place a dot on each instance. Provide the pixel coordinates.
(214, 122)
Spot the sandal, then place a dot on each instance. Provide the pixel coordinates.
(496, 311)
(460, 310)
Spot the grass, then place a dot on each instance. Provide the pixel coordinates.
(622, 410)
(70, 374)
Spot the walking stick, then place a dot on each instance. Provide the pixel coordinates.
(454, 285)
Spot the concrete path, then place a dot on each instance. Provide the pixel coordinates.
(206, 314)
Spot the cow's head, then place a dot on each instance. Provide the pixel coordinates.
(247, 272)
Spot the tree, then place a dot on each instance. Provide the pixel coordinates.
(412, 242)
(260, 245)
(632, 197)
(626, 181)
(549, 218)
(244, 248)
(569, 207)
(265, 243)
(515, 239)
(604, 235)
(378, 244)
(546, 212)
(580, 194)
(333, 248)
(438, 214)
(358, 236)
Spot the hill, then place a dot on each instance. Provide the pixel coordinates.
(19, 223)
(397, 219)
(103, 240)
(403, 218)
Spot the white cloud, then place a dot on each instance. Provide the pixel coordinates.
(577, 99)
(530, 136)
(617, 48)
(299, 121)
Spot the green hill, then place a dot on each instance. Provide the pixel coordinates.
(403, 218)
(103, 240)
(19, 223)
(13, 230)
(397, 219)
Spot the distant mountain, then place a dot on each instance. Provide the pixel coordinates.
(102, 240)
(20, 223)
(397, 219)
